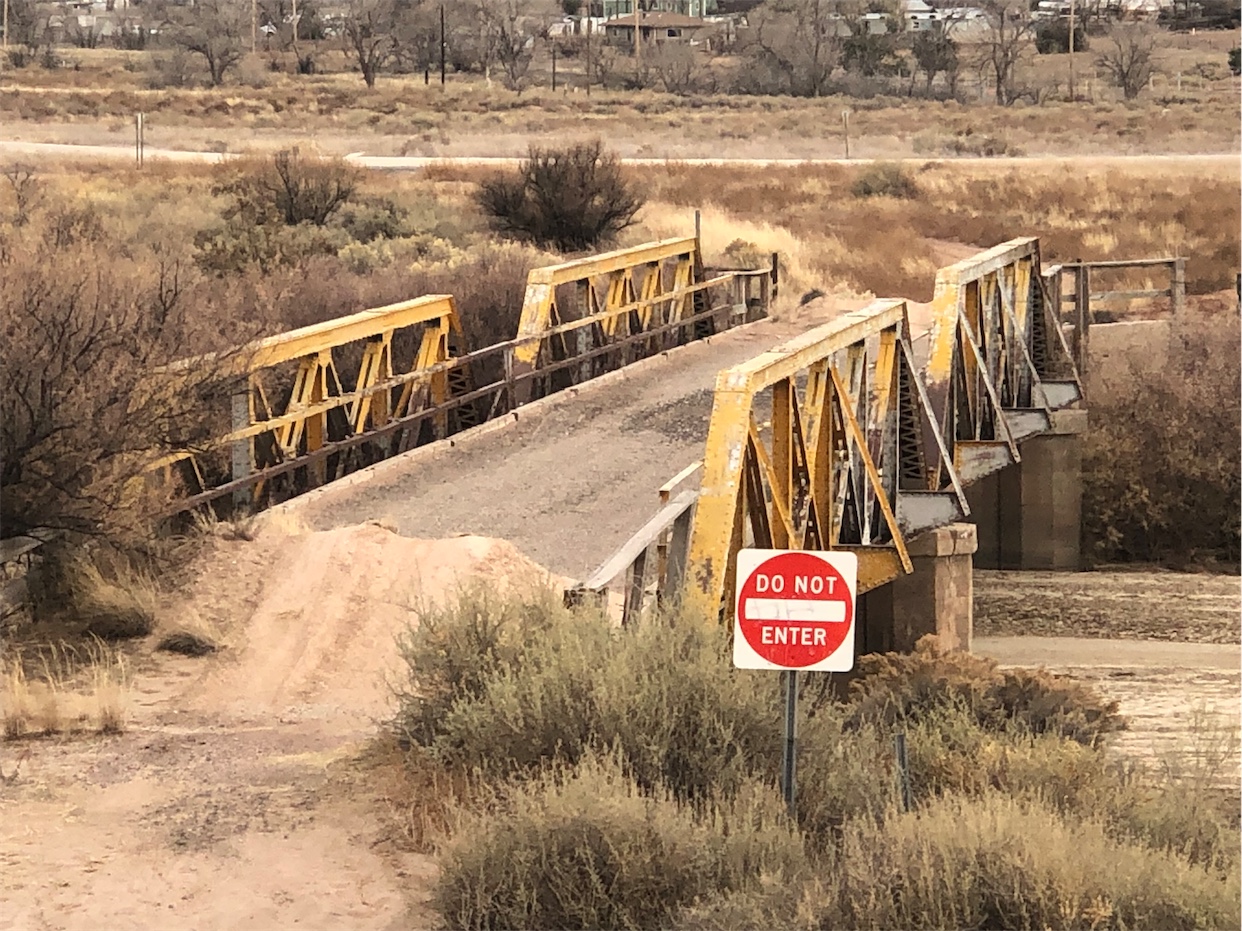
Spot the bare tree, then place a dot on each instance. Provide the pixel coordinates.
(82, 407)
(800, 40)
(1127, 56)
(1010, 35)
(507, 30)
(370, 35)
(935, 53)
(213, 29)
(678, 66)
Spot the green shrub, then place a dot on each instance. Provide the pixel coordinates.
(896, 687)
(991, 862)
(885, 180)
(585, 847)
(457, 647)
(843, 773)
(504, 687)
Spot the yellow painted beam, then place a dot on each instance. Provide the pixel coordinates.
(321, 337)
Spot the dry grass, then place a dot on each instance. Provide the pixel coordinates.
(96, 100)
(63, 689)
(891, 247)
(118, 608)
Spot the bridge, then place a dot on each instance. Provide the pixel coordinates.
(925, 438)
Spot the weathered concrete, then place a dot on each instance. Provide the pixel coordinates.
(1029, 515)
(937, 598)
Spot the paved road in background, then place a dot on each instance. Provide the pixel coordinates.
(14, 150)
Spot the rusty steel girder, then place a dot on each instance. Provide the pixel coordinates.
(282, 418)
(619, 294)
(841, 464)
(870, 440)
(997, 364)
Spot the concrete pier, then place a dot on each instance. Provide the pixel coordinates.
(937, 598)
(1029, 515)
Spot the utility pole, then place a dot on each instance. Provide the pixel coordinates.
(554, 64)
(6, 25)
(1073, 96)
(637, 48)
(442, 46)
(254, 24)
(588, 52)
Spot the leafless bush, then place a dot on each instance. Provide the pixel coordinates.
(25, 187)
(1162, 481)
(572, 198)
(81, 334)
(280, 206)
(1127, 56)
(289, 188)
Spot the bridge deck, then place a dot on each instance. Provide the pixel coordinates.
(572, 479)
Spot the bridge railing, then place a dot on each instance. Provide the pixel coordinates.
(295, 422)
(1078, 307)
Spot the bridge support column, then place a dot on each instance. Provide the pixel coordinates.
(937, 598)
(1029, 516)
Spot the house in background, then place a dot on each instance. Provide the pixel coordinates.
(658, 28)
(614, 9)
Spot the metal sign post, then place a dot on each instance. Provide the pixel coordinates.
(790, 761)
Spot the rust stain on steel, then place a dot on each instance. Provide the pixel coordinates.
(982, 307)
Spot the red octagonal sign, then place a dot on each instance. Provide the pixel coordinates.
(795, 610)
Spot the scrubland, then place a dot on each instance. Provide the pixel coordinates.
(1190, 107)
(604, 778)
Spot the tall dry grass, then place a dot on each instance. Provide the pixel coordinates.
(63, 688)
(891, 246)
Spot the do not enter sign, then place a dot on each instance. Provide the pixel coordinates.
(795, 610)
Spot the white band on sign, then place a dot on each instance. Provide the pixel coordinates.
(780, 609)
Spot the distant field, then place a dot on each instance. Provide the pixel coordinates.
(94, 97)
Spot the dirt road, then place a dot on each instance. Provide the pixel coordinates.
(16, 149)
(242, 795)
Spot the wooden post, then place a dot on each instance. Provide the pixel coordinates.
(634, 595)
(553, 64)
(1071, 52)
(1179, 286)
(1082, 321)
(443, 45)
(243, 450)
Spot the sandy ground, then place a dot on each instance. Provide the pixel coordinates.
(248, 771)
(1180, 700)
(239, 796)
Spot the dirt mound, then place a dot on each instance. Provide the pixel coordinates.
(310, 619)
